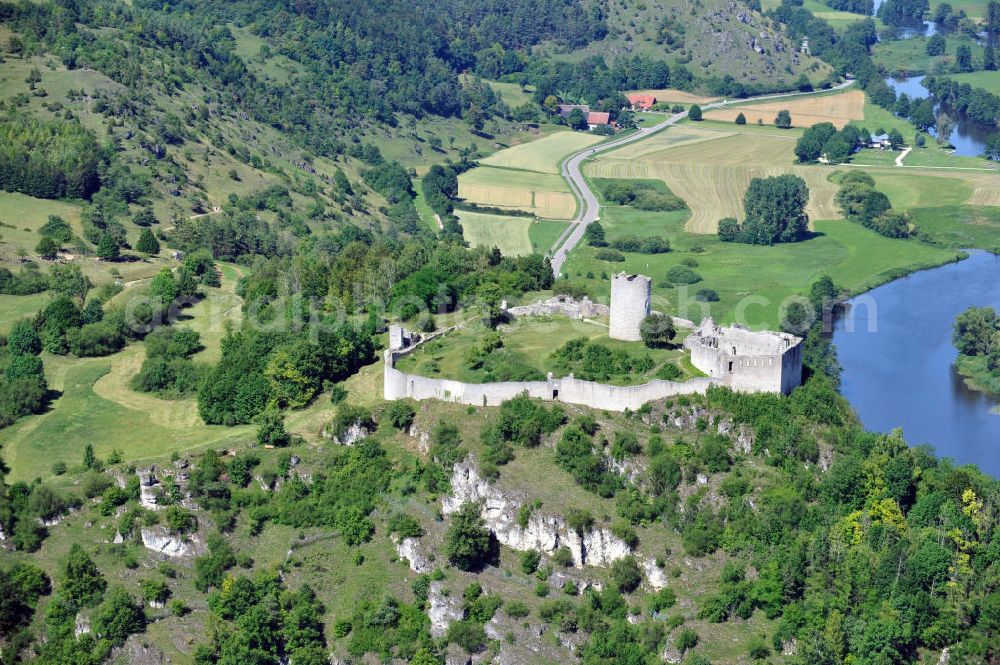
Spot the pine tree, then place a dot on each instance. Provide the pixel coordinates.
(47, 248)
(147, 243)
(107, 248)
(990, 57)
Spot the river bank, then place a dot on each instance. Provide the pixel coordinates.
(899, 370)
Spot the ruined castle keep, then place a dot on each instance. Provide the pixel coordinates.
(731, 356)
(630, 304)
(745, 360)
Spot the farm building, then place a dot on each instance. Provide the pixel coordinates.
(566, 109)
(880, 141)
(641, 102)
(596, 119)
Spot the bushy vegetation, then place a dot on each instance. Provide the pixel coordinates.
(48, 159)
(643, 196)
(168, 369)
(862, 203)
(823, 140)
(976, 335)
(593, 361)
(775, 212)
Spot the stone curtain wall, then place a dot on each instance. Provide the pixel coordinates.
(400, 385)
(561, 306)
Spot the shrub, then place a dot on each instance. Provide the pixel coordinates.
(399, 414)
(271, 428)
(608, 254)
(707, 295)
(516, 609)
(657, 330)
(686, 639)
(669, 372)
(405, 526)
(682, 275)
(118, 617)
(24, 339)
(647, 245)
(47, 248)
(468, 635)
(562, 557)
(626, 575)
(468, 544)
(530, 561)
(179, 520)
(348, 416)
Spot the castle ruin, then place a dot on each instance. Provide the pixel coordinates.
(630, 304)
(745, 360)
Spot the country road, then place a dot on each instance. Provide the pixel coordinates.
(589, 209)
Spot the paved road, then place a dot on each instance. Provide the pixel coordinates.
(589, 208)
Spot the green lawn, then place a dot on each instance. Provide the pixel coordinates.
(81, 416)
(424, 210)
(543, 235)
(531, 341)
(545, 154)
(960, 226)
(511, 93)
(650, 118)
(935, 155)
(856, 259)
(506, 232)
(907, 190)
(14, 308)
(987, 80)
(910, 55)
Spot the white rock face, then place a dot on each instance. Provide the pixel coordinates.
(82, 625)
(442, 610)
(543, 533)
(412, 550)
(160, 540)
(671, 654)
(423, 438)
(353, 434)
(656, 577)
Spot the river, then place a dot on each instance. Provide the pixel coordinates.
(922, 28)
(968, 137)
(901, 373)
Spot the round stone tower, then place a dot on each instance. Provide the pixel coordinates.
(630, 298)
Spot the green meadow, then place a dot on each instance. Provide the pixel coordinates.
(854, 257)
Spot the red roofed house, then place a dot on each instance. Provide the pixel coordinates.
(641, 102)
(595, 119)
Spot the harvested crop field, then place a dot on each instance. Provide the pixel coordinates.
(545, 195)
(839, 109)
(544, 154)
(711, 170)
(507, 233)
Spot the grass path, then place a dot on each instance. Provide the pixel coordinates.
(98, 406)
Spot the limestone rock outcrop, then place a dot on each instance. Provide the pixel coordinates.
(442, 610)
(543, 533)
(412, 550)
(160, 540)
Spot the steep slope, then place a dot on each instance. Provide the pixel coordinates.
(710, 38)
